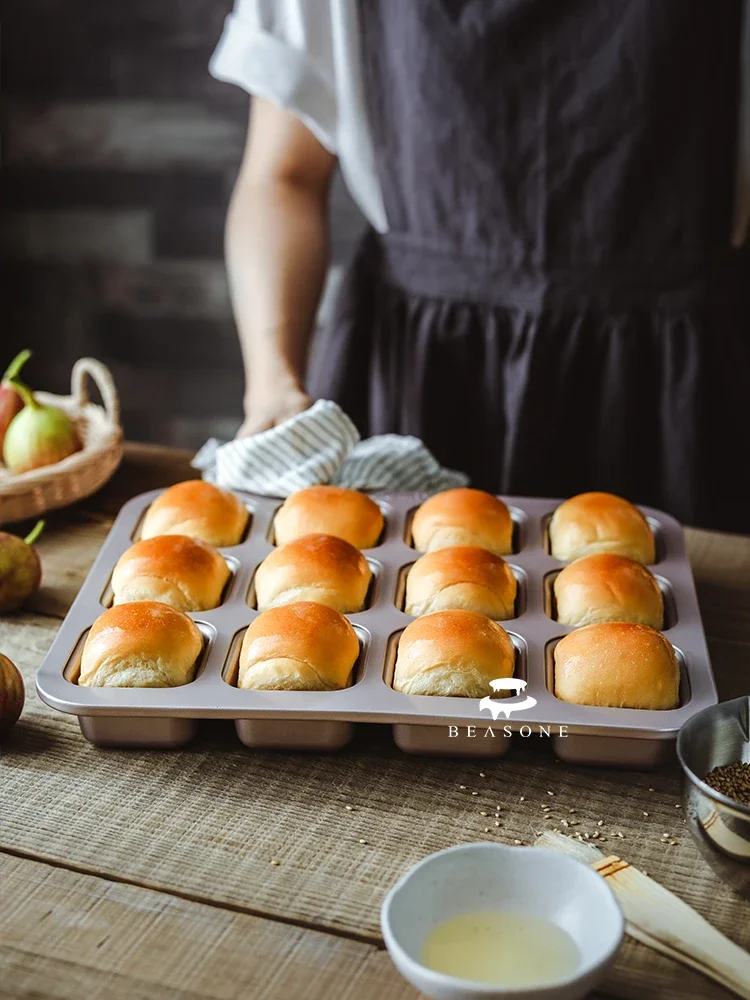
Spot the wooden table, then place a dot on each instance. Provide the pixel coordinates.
(128, 875)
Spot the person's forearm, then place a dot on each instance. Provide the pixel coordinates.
(277, 253)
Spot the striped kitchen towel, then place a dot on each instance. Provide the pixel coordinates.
(322, 445)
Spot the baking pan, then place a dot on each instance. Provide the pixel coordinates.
(324, 720)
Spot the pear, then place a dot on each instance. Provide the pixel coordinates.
(20, 568)
(11, 402)
(38, 435)
(12, 694)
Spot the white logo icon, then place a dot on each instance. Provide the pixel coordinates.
(502, 707)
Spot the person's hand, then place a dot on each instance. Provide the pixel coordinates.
(272, 405)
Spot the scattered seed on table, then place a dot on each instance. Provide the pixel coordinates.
(678, 806)
(348, 808)
(651, 789)
(475, 793)
(600, 823)
(571, 810)
(549, 792)
(275, 863)
(462, 786)
(482, 774)
(620, 836)
(516, 841)
(482, 813)
(362, 840)
(673, 843)
(564, 822)
(574, 822)
(496, 823)
(645, 814)
(486, 829)
(522, 799)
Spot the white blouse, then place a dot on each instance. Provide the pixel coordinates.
(304, 55)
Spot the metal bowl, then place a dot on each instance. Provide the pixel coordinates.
(720, 826)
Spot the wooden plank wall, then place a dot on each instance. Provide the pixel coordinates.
(119, 152)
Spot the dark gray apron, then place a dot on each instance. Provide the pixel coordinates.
(556, 307)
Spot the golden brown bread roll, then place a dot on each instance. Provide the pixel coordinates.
(329, 510)
(618, 665)
(319, 568)
(600, 522)
(452, 653)
(199, 510)
(186, 573)
(141, 644)
(608, 588)
(463, 517)
(461, 576)
(304, 646)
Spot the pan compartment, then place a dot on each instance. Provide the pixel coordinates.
(520, 574)
(667, 593)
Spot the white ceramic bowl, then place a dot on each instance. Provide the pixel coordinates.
(530, 880)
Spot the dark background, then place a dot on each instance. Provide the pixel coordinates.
(119, 153)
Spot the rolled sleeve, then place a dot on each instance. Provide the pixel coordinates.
(282, 52)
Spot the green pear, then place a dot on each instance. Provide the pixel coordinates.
(39, 435)
(20, 568)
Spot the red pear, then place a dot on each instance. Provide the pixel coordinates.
(11, 401)
(20, 568)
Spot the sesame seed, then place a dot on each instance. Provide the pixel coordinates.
(549, 792)
(486, 829)
(522, 799)
(564, 822)
(673, 843)
(348, 808)
(678, 806)
(645, 814)
(482, 774)
(574, 822)
(600, 823)
(275, 863)
(475, 793)
(651, 789)
(496, 823)
(362, 840)
(571, 810)
(482, 813)
(516, 841)
(620, 836)
(462, 786)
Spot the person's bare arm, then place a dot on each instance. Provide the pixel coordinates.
(277, 254)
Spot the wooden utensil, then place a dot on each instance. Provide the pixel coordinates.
(657, 918)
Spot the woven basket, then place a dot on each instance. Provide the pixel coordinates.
(81, 474)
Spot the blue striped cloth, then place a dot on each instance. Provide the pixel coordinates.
(322, 445)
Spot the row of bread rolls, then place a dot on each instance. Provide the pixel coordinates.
(146, 639)
(616, 657)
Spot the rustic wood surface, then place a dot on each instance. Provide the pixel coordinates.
(148, 874)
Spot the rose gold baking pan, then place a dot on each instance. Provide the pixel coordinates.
(315, 720)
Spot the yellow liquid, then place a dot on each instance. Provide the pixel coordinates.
(501, 948)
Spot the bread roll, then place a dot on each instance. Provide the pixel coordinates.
(141, 644)
(319, 568)
(600, 522)
(463, 517)
(200, 510)
(608, 588)
(302, 647)
(329, 510)
(617, 665)
(461, 576)
(183, 572)
(452, 653)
